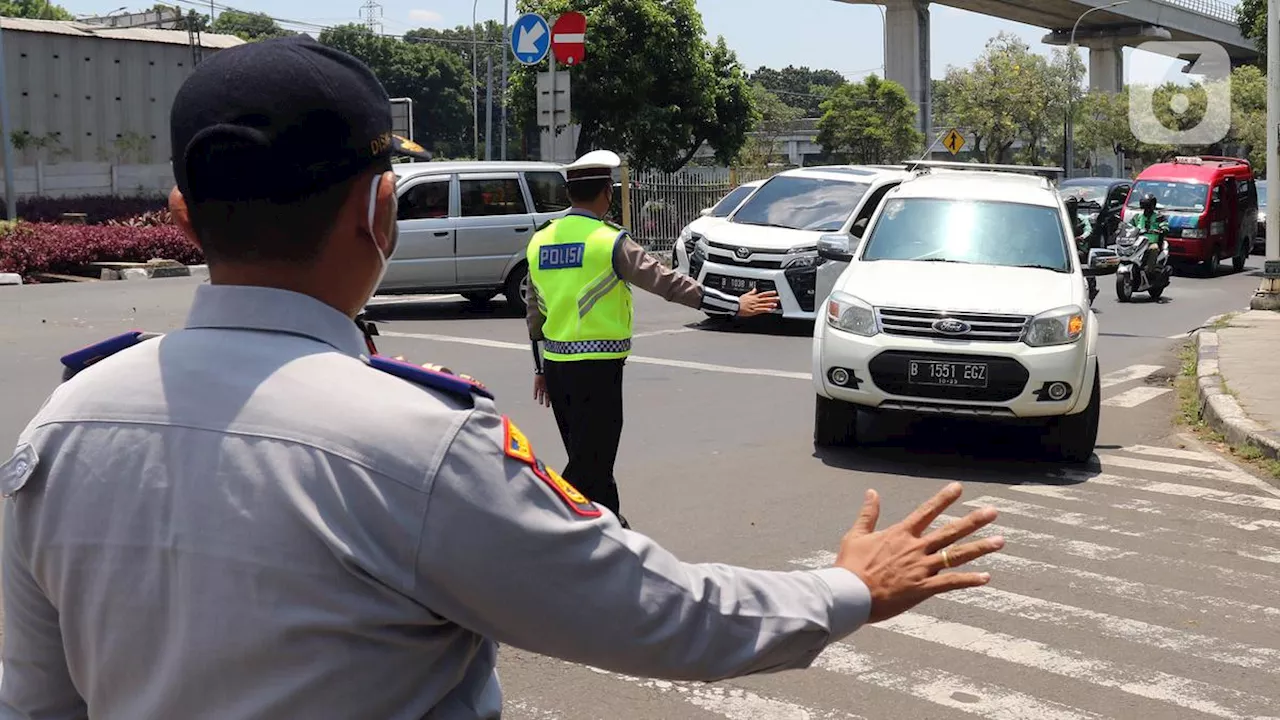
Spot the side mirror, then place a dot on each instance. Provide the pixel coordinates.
(859, 227)
(836, 247)
(704, 212)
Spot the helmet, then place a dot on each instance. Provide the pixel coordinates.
(1148, 202)
(1072, 202)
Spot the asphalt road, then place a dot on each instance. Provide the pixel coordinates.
(1145, 587)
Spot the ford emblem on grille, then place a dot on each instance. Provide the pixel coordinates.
(951, 326)
(742, 253)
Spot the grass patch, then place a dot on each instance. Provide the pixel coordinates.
(1190, 417)
(1222, 322)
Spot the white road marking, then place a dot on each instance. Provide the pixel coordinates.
(638, 359)
(1124, 375)
(1135, 396)
(1176, 489)
(1085, 581)
(1191, 471)
(941, 687)
(526, 710)
(728, 701)
(1147, 507)
(1175, 453)
(1128, 529)
(672, 331)
(1028, 538)
(400, 299)
(1142, 682)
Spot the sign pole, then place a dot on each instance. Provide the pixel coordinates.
(506, 30)
(1268, 295)
(10, 183)
(555, 138)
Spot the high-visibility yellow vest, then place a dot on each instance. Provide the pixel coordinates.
(586, 305)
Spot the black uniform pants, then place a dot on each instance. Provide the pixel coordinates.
(586, 397)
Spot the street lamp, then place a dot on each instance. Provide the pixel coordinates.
(475, 100)
(1068, 129)
(1268, 295)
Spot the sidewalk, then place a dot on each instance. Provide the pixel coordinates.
(1238, 376)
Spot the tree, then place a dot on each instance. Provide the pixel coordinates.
(776, 118)
(490, 45)
(1251, 16)
(870, 122)
(434, 78)
(34, 10)
(651, 87)
(248, 26)
(799, 87)
(1249, 114)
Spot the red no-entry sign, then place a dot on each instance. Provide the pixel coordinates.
(569, 37)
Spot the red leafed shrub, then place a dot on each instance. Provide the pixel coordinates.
(147, 219)
(98, 209)
(28, 248)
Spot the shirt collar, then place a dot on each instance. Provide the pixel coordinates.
(581, 212)
(247, 307)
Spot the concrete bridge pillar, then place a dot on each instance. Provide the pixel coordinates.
(906, 56)
(1106, 74)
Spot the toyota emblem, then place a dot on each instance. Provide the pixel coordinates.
(951, 326)
(742, 253)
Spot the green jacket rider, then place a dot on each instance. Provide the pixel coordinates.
(1155, 225)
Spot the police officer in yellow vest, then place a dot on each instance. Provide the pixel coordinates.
(581, 269)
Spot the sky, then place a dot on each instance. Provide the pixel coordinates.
(817, 33)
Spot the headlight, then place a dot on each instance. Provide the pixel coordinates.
(686, 234)
(803, 257)
(1056, 327)
(851, 314)
(700, 252)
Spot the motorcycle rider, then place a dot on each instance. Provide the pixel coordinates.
(1154, 226)
(1082, 231)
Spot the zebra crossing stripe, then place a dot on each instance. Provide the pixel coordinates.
(1150, 508)
(1178, 490)
(1190, 471)
(727, 701)
(1128, 374)
(1135, 397)
(1178, 453)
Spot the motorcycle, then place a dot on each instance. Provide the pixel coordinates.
(1133, 247)
(1095, 260)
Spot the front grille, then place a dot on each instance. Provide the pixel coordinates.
(982, 326)
(730, 260)
(1006, 377)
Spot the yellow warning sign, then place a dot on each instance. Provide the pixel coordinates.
(953, 141)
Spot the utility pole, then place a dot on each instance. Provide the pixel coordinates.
(488, 113)
(506, 42)
(10, 184)
(1268, 295)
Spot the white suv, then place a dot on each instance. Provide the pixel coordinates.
(964, 297)
(714, 215)
(770, 242)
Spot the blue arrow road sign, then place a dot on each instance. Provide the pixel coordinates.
(530, 38)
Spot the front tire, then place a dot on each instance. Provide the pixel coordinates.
(516, 289)
(1072, 438)
(1124, 291)
(835, 423)
(1242, 255)
(1211, 265)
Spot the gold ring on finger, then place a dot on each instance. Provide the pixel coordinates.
(946, 561)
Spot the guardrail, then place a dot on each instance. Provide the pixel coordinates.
(1217, 9)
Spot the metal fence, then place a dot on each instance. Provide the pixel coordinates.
(1218, 9)
(655, 206)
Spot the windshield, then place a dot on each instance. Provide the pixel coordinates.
(1171, 195)
(730, 201)
(1262, 193)
(974, 232)
(802, 203)
(1085, 193)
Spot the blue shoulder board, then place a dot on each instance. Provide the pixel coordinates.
(424, 377)
(83, 358)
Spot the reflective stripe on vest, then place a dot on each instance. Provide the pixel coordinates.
(586, 306)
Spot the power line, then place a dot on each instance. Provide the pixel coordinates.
(371, 13)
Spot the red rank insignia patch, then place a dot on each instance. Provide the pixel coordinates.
(572, 496)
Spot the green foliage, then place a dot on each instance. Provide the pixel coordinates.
(433, 77)
(651, 87)
(34, 10)
(1251, 15)
(248, 26)
(774, 119)
(800, 87)
(871, 122)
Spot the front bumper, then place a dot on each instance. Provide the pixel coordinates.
(796, 288)
(1018, 376)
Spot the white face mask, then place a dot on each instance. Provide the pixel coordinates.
(373, 206)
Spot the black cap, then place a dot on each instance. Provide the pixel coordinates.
(278, 120)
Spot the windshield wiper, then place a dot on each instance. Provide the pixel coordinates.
(945, 260)
(772, 225)
(1042, 267)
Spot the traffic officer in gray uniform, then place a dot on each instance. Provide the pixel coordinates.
(253, 518)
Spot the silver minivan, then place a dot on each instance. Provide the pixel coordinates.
(464, 227)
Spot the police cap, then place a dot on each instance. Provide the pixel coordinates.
(278, 120)
(595, 165)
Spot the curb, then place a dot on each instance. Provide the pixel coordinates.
(134, 273)
(1218, 408)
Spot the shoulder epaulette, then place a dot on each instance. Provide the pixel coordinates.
(74, 362)
(614, 225)
(442, 380)
(545, 225)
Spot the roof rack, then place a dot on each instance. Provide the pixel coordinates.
(1200, 160)
(1045, 171)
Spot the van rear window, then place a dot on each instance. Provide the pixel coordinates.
(1170, 195)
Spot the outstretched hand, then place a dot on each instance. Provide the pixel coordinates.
(901, 567)
(757, 303)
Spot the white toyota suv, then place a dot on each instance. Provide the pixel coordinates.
(770, 242)
(964, 297)
(714, 215)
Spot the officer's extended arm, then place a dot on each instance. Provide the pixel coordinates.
(535, 315)
(636, 266)
(505, 555)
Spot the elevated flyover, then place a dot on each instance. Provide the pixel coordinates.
(1104, 32)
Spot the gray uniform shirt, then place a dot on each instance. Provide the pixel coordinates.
(243, 520)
